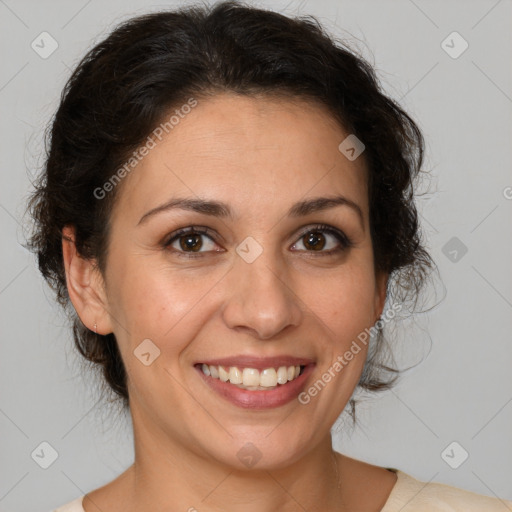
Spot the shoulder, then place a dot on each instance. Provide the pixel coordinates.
(412, 495)
(72, 506)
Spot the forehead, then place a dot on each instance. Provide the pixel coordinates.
(261, 152)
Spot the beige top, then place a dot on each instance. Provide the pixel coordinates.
(410, 495)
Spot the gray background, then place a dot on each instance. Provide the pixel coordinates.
(461, 391)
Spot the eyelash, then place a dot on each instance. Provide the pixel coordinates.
(345, 242)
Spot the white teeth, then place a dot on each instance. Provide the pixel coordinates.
(235, 375)
(268, 378)
(223, 374)
(251, 378)
(282, 375)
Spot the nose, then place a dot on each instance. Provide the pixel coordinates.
(260, 299)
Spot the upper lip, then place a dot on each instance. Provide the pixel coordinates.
(258, 363)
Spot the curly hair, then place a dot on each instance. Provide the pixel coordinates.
(125, 85)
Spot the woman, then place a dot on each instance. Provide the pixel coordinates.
(228, 206)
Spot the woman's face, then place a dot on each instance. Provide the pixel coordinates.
(257, 285)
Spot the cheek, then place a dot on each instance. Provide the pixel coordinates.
(160, 303)
(345, 302)
(152, 300)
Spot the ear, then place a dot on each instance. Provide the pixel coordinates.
(85, 285)
(381, 284)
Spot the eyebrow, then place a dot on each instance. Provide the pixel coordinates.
(220, 209)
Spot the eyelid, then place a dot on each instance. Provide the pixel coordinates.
(194, 229)
(343, 239)
(202, 230)
(340, 235)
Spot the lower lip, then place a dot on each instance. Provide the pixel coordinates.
(274, 397)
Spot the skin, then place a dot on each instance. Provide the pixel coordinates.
(260, 155)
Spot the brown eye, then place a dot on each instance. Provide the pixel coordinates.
(314, 240)
(190, 242)
(322, 239)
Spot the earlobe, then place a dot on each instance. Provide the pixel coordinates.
(85, 286)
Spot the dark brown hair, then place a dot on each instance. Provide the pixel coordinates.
(126, 84)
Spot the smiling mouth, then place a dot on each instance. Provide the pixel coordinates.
(252, 379)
